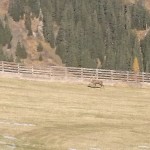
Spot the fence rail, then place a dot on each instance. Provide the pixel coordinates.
(73, 73)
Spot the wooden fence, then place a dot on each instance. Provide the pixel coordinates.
(73, 73)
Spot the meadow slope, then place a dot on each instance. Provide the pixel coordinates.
(38, 115)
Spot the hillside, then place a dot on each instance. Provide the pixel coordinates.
(147, 4)
(19, 33)
(95, 34)
(4, 7)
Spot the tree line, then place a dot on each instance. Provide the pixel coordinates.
(91, 31)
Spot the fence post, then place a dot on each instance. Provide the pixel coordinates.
(82, 73)
(111, 75)
(50, 72)
(18, 68)
(97, 74)
(143, 77)
(32, 71)
(66, 73)
(127, 76)
(136, 78)
(3, 66)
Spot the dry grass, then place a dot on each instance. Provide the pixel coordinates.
(3, 7)
(59, 116)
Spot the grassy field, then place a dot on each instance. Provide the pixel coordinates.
(36, 115)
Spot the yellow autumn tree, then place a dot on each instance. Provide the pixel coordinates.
(136, 67)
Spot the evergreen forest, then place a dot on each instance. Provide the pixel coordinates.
(91, 33)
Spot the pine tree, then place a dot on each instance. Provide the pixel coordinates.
(16, 9)
(1, 32)
(7, 35)
(35, 7)
(2, 57)
(28, 23)
(145, 44)
(48, 28)
(40, 58)
(21, 51)
(39, 47)
(11, 59)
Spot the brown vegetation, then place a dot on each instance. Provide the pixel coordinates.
(3, 7)
(54, 116)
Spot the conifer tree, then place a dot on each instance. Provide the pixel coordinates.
(145, 44)
(16, 9)
(40, 58)
(35, 7)
(48, 28)
(28, 23)
(21, 51)
(7, 35)
(2, 57)
(1, 33)
(39, 47)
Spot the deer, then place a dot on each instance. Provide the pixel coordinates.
(94, 82)
(97, 82)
